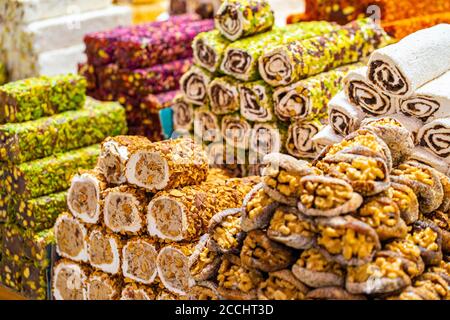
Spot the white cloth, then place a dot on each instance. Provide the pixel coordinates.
(400, 69)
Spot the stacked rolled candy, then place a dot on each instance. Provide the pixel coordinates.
(48, 131)
(256, 89)
(140, 66)
(137, 218)
(391, 86)
(353, 225)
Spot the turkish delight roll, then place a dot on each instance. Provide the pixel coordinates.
(139, 260)
(69, 280)
(225, 231)
(173, 268)
(194, 85)
(224, 95)
(257, 209)
(299, 141)
(236, 131)
(397, 70)
(297, 60)
(115, 152)
(266, 138)
(11, 273)
(361, 93)
(71, 238)
(308, 98)
(48, 175)
(206, 125)
(236, 19)
(167, 165)
(135, 291)
(104, 250)
(344, 117)
(34, 282)
(282, 285)
(40, 213)
(123, 209)
(184, 214)
(204, 261)
(256, 101)
(24, 100)
(183, 114)
(209, 48)
(101, 286)
(13, 243)
(21, 142)
(430, 102)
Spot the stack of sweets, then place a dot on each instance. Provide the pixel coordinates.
(145, 10)
(140, 67)
(398, 86)
(399, 17)
(48, 132)
(45, 37)
(256, 88)
(137, 220)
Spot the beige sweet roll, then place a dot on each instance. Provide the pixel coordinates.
(204, 260)
(282, 285)
(167, 165)
(206, 125)
(84, 195)
(256, 102)
(225, 231)
(124, 209)
(173, 267)
(183, 114)
(433, 136)
(104, 250)
(101, 286)
(139, 260)
(184, 214)
(224, 95)
(71, 238)
(115, 152)
(265, 138)
(343, 117)
(236, 130)
(194, 85)
(299, 142)
(69, 280)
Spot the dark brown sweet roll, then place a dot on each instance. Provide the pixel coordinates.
(194, 85)
(322, 196)
(291, 228)
(236, 281)
(204, 261)
(424, 181)
(69, 280)
(333, 293)
(204, 290)
(105, 250)
(282, 285)
(261, 253)
(139, 260)
(282, 175)
(236, 131)
(124, 209)
(101, 286)
(428, 236)
(385, 274)
(224, 95)
(71, 238)
(367, 175)
(83, 198)
(347, 240)
(442, 220)
(383, 214)
(257, 210)
(316, 271)
(225, 231)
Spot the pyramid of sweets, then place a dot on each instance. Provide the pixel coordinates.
(404, 83)
(48, 131)
(256, 88)
(399, 17)
(140, 66)
(45, 37)
(138, 220)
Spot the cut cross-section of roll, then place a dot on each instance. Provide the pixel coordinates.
(208, 49)
(167, 164)
(256, 101)
(224, 95)
(344, 117)
(265, 139)
(114, 156)
(435, 137)
(194, 84)
(70, 236)
(299, 141)
(183, 114)
(83, 198)
(101, 286)
(104, 250)
(134, 291)
(206, 125)
(236, 131)
(123, 210)
(69, 281)
(173, 270)
(139, 261)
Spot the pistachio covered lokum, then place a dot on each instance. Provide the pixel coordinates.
(209, 48)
